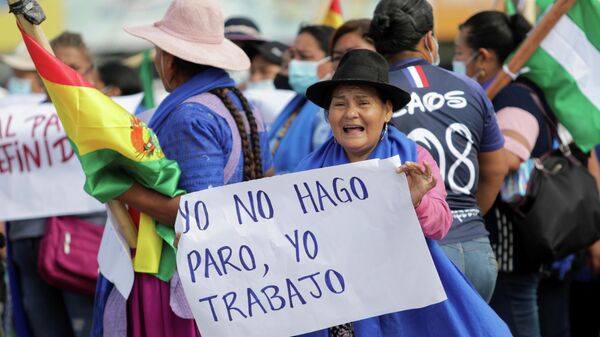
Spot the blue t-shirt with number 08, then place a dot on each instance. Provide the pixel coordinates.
(451, 116)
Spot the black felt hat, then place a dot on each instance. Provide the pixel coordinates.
(273, 51)
(240, 28)
(361, 67)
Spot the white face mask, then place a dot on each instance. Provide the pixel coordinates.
(435, 60)
(240, 76)
(261, 85)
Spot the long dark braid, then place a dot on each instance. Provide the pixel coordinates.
(250, 161)
(253, 132)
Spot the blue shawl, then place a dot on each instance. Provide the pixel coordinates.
(331, 153)
(297, 141)
(464, 313)
(205, 81)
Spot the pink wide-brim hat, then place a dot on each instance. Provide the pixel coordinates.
(193, 30)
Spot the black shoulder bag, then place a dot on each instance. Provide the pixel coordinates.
(560, 213)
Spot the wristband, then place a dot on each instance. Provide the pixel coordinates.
(30, 10)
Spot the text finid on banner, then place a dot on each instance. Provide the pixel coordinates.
(40, 175)
(300, 252)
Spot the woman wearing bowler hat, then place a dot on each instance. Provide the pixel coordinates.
(359, 101)
(208, 127)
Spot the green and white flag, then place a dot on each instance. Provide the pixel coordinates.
(567, 68)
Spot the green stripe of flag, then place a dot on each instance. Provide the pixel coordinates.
(510, 7)
(168, 263)
(146, 70)
(586, 15)
(109, 174)
(543, 5)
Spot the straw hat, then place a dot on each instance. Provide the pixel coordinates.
(362, 67)
(193, 30)
(19, 60)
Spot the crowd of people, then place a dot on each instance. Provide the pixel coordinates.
(242, 107)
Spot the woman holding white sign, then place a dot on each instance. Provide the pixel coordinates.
(359, 102)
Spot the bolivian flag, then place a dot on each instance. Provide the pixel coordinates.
(114, 149)
(333, 17)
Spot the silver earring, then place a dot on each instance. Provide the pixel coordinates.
(384, 132)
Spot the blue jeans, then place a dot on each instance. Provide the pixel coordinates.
(515, 301)
(51, 312)
(476, 260)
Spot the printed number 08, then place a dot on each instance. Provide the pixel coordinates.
(430, 141)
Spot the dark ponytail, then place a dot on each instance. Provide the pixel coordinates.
(253, 168)
(254, 137)
(519, 27)
(399, 25)
(496, 31)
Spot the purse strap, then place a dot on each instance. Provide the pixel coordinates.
(564, 145)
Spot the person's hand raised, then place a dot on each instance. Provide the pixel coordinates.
(420, 181)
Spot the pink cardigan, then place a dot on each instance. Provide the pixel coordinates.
(433, 211)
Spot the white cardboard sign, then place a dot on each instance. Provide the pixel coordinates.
(301, 252)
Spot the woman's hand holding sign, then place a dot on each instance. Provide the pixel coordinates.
(420, 181)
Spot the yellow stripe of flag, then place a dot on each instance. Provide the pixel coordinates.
(149, 247)
(334, 17)
(121, 132)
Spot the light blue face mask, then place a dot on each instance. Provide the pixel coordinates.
(261, 85)
(19, 86)
(460, 67)
(303, 74)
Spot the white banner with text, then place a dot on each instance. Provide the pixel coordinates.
(40, 175)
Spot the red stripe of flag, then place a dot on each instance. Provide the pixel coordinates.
(51, 68)
(335, 7)
(135, 216)
(422, 76)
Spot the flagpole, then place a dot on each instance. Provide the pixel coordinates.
(32, 30)
(125, 224)
(531, 43)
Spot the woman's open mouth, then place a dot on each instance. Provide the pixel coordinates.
(353, 129)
